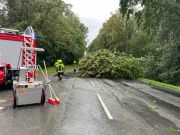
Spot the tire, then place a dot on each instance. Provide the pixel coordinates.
(43, 97)
(10, 85)
(60, 77)
(14, 100)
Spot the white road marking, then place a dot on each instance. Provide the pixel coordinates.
(91, 83)
(104, 107)
(1, 108)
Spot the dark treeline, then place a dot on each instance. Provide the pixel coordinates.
(152, 32)
(58, 29)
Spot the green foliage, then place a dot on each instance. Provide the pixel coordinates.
(122, 35)
(160, 19)
(164, 65)
(105, 64)
(115, 34)
(152, 32)
(60, 31)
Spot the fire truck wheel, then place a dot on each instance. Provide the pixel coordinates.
(43, 97)
(14, 99)
(9, 85)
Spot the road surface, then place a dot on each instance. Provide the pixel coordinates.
(136, 108)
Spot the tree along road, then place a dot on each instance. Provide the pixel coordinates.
(136, 108)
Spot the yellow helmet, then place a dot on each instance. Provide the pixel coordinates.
(60, 61)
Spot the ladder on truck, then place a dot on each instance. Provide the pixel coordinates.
(29, 57)
(29, 54)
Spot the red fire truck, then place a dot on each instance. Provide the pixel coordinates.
(12, 56)
(18, 66)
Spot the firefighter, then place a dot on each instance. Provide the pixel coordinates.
(59, 68)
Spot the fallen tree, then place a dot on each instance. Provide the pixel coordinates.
(105, 64)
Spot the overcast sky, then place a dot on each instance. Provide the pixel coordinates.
(93, 13)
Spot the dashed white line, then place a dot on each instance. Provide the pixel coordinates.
(104, 106)
(91, 83)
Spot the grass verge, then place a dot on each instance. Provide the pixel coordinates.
(156, 83)
(53, 69)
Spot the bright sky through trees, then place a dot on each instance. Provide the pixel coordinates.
(93, 13)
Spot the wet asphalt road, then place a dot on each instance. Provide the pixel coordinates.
(137, 109)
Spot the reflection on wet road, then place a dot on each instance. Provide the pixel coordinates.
(134, 111)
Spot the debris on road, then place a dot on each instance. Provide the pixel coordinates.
(152, 106)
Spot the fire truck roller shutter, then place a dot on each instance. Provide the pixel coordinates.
(10, 52)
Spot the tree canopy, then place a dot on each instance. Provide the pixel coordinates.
(118, 34)
(58, 29)
(146, 28)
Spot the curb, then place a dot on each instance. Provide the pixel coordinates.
(154, 96)
(167, 90)
(163, 89)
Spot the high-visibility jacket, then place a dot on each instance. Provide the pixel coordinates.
(60, 66)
